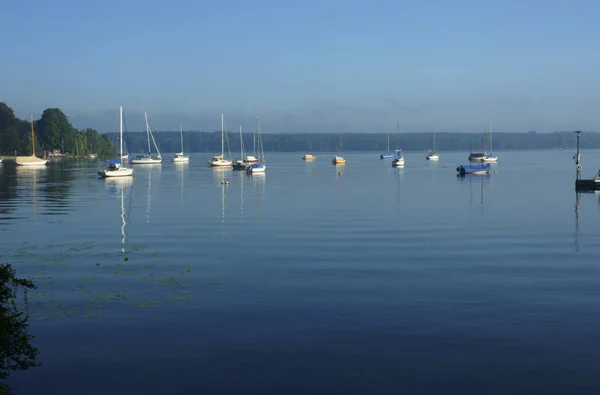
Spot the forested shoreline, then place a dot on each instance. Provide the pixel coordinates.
(54, 131)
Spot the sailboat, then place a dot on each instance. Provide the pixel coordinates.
(477, 157)
(148, 159)
(339, 160)
(252, 158)
(433, 155)
(398, 158)
(219, 160)
(309, 156)
(240, 164)
(387, 154)
(114, 168)
(490, 158)
(261, 166)
(31, 160)
(179, 157)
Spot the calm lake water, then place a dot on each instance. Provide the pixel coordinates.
(306, 281)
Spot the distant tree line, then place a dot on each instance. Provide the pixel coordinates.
(329, 142)
(52, 131)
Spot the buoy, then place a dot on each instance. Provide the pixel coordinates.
(226, 182)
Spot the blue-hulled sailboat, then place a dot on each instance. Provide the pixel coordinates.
(483, 168)
(387, 154)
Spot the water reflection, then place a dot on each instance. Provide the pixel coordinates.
(259, 181)
(399, 177)
(181, 168)
(30, 176)
(120, 187)
(220, 174)
(577, 212)
(242, 179)
(476, 182)
(149, 196)
(576, 234)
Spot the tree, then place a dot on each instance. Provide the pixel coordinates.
(10, 139)
(55, 130)
(16, 351)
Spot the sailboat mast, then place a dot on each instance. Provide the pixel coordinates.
(388, 150)
(121, 133)
(482, 149)
(241, 144)
(32, 138)
(309, 144)
(398, 137)
(434, 146)
(181, 137)
(491, 139)
(147, 132)
(340, 144)
(260, 142)
(222, 135)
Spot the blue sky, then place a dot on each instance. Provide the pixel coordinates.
(299, 65)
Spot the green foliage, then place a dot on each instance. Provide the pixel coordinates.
(16, 351)
(53, 130)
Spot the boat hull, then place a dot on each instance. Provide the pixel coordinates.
(240, 165)
(145, 161)
(309, 157)
(490, 159)
(221, 163)
(386, 156)
(476, 157)
(587, 185)
(432, 157)
(256, 168)
(180, 160)
(121, 172)
(398, 162)
(32, 164)
(473, 169)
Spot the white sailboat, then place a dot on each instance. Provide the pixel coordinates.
(241, 163)
(114, 168)
(309, 156)
(31, 160)
(179, 157)
(490, 158)
(148, 159)
(252, 158)
(339, 160)
(433, 155)
(261, 166)
(219, 160)
(398, 160)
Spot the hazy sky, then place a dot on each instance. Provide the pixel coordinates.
(341, 64)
